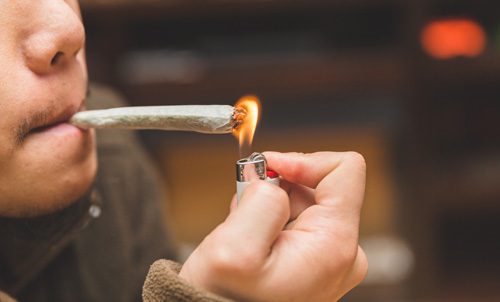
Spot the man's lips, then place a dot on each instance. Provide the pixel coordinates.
(61, 118)
(45, 128)
(47, 119)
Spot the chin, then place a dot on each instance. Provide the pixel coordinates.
(70, 187)
(55, 174)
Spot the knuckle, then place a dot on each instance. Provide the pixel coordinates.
(355, 158)
(348, 256)
(267, 190)
(276, 197)
(361, 267)
(260, 187)
(345, 258)
(222, 258)
(296, 166)
(295, 154)
(231, 260)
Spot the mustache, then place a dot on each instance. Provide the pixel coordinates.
(32, 122)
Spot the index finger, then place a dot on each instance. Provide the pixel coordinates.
(338, 177)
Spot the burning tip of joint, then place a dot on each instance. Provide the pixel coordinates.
(246, 115)
(239, 116)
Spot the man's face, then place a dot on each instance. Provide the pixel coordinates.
(45, 163)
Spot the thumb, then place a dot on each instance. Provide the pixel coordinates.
(261, 215)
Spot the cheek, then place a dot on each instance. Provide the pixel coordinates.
(38, 181)
(19, 99)
(12, 113)
(7, 126)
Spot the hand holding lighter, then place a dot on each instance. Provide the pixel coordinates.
(252, 168)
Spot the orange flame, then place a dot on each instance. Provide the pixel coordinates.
(246, 131)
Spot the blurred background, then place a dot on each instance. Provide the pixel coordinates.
(412, 85)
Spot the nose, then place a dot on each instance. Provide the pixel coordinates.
(55, 40)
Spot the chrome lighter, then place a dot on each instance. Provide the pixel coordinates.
(252, 168)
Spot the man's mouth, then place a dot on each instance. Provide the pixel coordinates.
(60, 120)
(45, 120)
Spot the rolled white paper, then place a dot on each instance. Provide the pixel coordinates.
(215, 119)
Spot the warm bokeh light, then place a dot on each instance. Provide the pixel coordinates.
(246, 131)
(448, 38)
